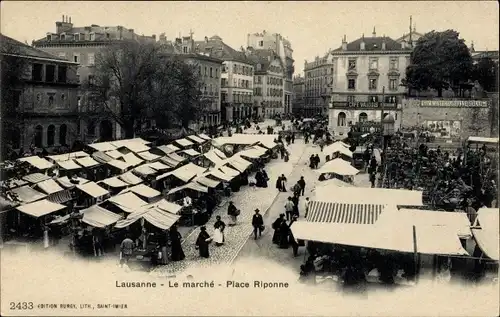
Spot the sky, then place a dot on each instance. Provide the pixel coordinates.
(312, 27)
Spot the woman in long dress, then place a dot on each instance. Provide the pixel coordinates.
(218, 238)
(276, 227)
(203, 241)
(176, 247)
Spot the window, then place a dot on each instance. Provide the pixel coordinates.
(61, 74)
(91, 36)
(216, 73)
(76, 36)
(185, 49)
(372, 84)
(390, 99)
(393, 63)
(36, 72)
(373, 63)
(50, 73)
(223, 96)
(351, 64)
(351, 84)
(63, 99)
(49, 37)
(393, 84)
(38, 136)
(107, 36)
(373, 99)
(341, 120)
(206, 71)
(211, 72)
(51, 133)
(63, 37)
(51, 99)
(223, 82)
(91, 80)
(261, 43)
(76, 58)
(79, 101)
(363, 117)
(91, 59)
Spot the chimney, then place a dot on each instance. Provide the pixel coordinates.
(403, 44)
(383, 43)
(62, 18)
(344, 44)
(69, 19)
(472, 47)
(374, 34)
(362, 44)
(206, 39)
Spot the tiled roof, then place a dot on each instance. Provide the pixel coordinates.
(262, 57)
(11, 46)
(372, 44)
(215, 47)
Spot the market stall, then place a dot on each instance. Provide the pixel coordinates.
(486, 232)
(148, 156)
(179, 176)
(147, 193)
(68, 183)
(102, 146)
(37, 162)
(25, 194)
(132, 159)
(113, 184)
(337, 168)
(127, 202)
(184, 143)
(351, 213)
(49, 187)
(167, 149)
(130, 178)
(35, 178)
(195, 212)
(90, 193)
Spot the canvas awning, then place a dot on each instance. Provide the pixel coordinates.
(87, 161)
(155, 216)
(458, 222)
(184, 142)
(238, 163)
(99, 217)
(128, 202)
(130, 178)
(478, 139)
(338, 166)
(195, 139)
(159, 166)
(40, 208)
(114, 154)
(486, 232)
(344, 151)
(49, 186)
(13, 183)
(320, 211)
(61, 197)
(219, 153)
(122, 166)
(184, 173)
(363, 195)
(176, 157)
(35, 178)
(145, 170)
(170, 162)
(167, 149)
(207, 182)
(194, 186)
(144, 191)
(214, 158)
(251, 153)
(132, 145)
(37, 162)
(68, 165)
(148, 156)
(191, 152)
(102, 146)
(27, 194)
(204, 137)
(269, 144)
(114, 182)
(101, 157)
(332, 184)
(170, 207)
(219, 175)
(132, 159)
(92, 189)
(229, 171)
(68, 156)
(66, 182)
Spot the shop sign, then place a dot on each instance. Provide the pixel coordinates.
(455, 103)
(365, 105)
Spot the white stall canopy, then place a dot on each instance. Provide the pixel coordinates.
(87, 161)
(70, 183)
(192, 185)
(99, 217)
(184, 173)
(130, 178)
(191, 152)
(320, 211)
(35, 178)
(486, 231)
(154, 215)
(92, 189)
(143, 190)
(26, 194)
(102, 146)
(184, 142)
(128, 202)
(131, 159)
(167, 149)
(363, 195)
(68, 165)
(114, 182)
(49, 186)
(37, 162)
(40, 208)
(165, 205)
(114, 154)
(159, 166)
(338, 166)
(121, 165)
(204, 137)
(148, 156)
(196, 139)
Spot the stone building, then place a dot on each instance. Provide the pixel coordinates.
(209, 69)
(367, 78)
(298, 105)
(283, 48)
(319, 80)
(269, 83)
(236, 78)
(80, 45)
(43, 109)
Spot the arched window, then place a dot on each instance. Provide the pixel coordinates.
(39, 136)
(63, 131)
(341, 119)
(363, 117)
(51, 134)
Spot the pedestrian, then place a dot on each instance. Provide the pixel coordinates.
(233, 213)
(219, 236)
(289, 206)
(291, 238)
(257, 223)
(281, 183)
(203, 241)
(175, 244)
(126, 249)
(293, 137)
(372, 179)
(276, 228)
(307, 202)
(296, 189)
(283, 235)
(316, 161)
(306, 137)
(302, 184)
(366, 158)
(295, 200)
(311, 161)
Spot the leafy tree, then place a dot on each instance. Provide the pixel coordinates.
(135, 81)
(439, 61)
(486, 72)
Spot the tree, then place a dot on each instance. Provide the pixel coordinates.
(486, 72)
(144, 83)
(439, 61)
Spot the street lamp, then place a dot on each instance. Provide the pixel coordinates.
(388, 128)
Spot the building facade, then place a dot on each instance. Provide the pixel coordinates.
(319, 81)
(80, 45)
(298, 105)
(283, 48)
(236, 78)
(43, 110)
(269, 83)
(209, 71)
(367, 81)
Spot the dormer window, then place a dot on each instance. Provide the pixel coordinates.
(49, 37)
(63, 37)
(92, 36)
(76, 36)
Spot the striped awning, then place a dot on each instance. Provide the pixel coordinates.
(320, 211)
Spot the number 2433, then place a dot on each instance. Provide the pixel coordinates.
(21, 305)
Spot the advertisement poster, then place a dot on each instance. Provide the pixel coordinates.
(443, 128)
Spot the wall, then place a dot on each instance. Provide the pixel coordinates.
(353, 117)
(474, 121)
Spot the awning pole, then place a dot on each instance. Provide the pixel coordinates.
(415, 253)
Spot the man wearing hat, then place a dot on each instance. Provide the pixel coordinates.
(257, 223)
